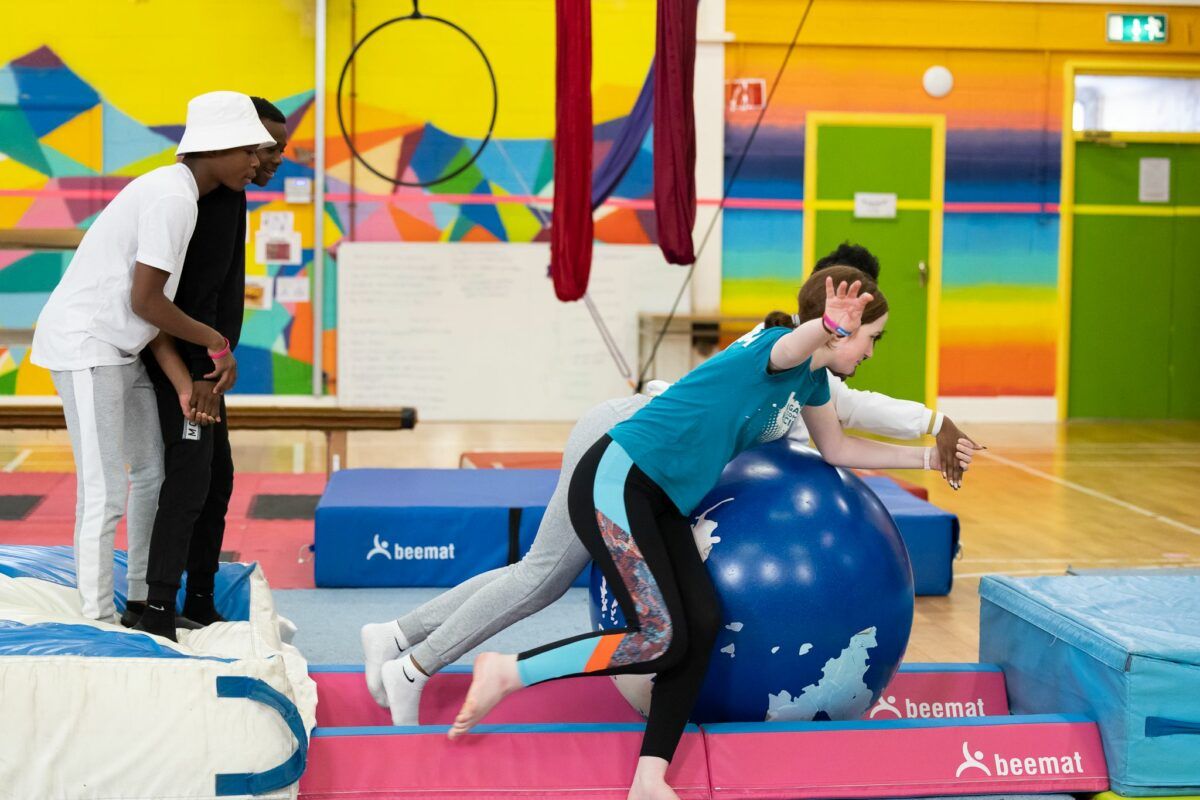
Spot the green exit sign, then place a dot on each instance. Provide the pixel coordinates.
(1137, 28)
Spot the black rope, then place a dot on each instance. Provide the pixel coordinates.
(418, 16)
(725, 196)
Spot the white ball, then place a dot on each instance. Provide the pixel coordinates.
(637, 690)
(938, 81)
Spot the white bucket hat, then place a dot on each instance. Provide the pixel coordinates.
(221, 121)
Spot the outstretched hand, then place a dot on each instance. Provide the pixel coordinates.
(957, 463)
(952, 446)
(845, 306)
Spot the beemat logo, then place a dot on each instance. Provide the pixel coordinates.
(399, 552)
(948, 709)
(1004, 766)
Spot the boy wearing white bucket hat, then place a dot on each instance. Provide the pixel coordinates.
(190, 524)
(112, 301)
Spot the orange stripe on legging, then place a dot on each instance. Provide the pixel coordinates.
(602, 655)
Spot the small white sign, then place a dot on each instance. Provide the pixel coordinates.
(291, 289)
(277, 222)
(298, 190)
(1154, 180)
(258, 292)
(874, 205)
(277, 248)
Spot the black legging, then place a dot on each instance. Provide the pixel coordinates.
(645, 549)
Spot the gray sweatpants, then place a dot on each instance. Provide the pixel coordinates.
(112, 418)
(460, 619)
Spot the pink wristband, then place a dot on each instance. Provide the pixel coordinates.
(224, 351)
(832, 326)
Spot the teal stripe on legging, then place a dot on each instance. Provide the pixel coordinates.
(570, 659)
(609, 488)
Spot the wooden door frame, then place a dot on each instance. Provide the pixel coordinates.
(1068, 209)
(934, 205)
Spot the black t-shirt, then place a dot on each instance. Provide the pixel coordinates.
(212, 284)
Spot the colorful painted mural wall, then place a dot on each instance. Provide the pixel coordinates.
(91, 99)
(95, 94)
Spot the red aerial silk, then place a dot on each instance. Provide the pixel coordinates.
(571, 225)
(675, 130)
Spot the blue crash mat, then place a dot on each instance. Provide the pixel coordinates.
(425, 527)
(438, 527)
(929, 533)
(1125, 650)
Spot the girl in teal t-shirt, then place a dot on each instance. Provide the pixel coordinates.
(631, 493)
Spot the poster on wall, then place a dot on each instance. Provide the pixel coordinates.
(874, 205)
(401, 337)
(292, 289)
(259, 292)
(277, 240)
(1154, 180)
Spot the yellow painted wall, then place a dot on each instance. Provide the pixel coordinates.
(148, 57)
(956, 25)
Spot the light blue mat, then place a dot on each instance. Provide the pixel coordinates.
(1122, 649)
(329, 619)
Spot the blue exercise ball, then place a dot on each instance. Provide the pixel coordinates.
(816, 592)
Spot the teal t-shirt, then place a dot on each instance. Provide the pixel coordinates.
(684, 437)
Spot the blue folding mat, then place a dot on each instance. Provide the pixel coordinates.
(930, 534)
(56, 564)
(438, 527)
(426, 527)
(1125, 650)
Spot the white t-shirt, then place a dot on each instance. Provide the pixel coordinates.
(88, 320)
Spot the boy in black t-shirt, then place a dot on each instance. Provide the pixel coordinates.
(190, 524)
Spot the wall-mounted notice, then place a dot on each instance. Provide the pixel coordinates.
(277, 240)
(474, 332)
(874, 205)
(292, 289)
(259, 294)
(1154, 180)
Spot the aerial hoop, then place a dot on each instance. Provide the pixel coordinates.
(416, 15)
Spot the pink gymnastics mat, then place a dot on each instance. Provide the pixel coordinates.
(938, 730)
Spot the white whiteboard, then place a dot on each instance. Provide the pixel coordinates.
(474, 331)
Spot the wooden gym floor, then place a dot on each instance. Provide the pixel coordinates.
(1042, 498)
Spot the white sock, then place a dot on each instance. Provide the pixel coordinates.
(381, 642)
(403, 683)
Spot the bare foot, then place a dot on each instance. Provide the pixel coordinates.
(495, 678)
(650, 781)
(659, 791)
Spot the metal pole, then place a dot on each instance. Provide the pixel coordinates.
(353, 116)
(318, 277)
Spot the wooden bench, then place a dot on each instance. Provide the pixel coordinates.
(247, 413)
(40, 238)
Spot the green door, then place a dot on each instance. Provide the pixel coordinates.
(884, 155)
(1134, 330)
